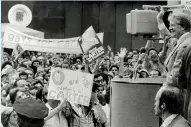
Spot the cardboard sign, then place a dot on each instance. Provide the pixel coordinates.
(70, 45)
(74, 86)
(187, 4)
(17, 51)
(91, 45)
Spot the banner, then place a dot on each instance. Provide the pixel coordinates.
(91, 45)
(17, 51)
(70, 45)
(74, 86)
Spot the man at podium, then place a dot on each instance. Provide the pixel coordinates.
(180, 26)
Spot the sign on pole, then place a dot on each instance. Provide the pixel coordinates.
(187, 4)
(91, 45)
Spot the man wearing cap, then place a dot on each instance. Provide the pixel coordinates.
(30, 112)
(143, 73)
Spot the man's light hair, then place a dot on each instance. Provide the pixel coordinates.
(183, 20)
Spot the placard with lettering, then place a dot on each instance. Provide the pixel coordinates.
(187, 4)
(91, 45)
(70, 45)
(74, 86)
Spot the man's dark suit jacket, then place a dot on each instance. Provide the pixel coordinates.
(184, 81)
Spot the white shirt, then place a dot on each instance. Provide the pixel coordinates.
(58, 120)
(6, 110)
(106, 109)
(1, 125)
(168, 120)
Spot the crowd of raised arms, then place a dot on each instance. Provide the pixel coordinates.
(29, 74)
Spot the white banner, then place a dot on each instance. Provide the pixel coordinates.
(70, 45)
(74, 86)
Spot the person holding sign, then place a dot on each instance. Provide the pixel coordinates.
(85, 116)
(56, 117)
(79, 110)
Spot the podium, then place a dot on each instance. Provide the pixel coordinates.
(132, 102)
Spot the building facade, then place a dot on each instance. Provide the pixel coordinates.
(65, 19)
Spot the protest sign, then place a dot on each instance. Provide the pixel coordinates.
(17, 51)
(74, 86)
(70, 45)
(91, 45)
(187, 4)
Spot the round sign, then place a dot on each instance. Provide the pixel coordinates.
(20, 15)
(58, 77)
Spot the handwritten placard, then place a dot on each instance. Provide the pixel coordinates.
(74, 86)
(70, 45)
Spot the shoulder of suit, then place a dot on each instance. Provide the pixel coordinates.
(181, 122)
(186, 43)
(188, 49)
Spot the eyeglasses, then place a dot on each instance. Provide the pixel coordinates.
(41, 72)
(65, 67)
(173, 25)
(78, 61)
(99, 81)
(23, 85)
(33, 93)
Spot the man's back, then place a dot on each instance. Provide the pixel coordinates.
(184, 81)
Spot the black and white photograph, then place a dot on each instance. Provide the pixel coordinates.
(95, 63)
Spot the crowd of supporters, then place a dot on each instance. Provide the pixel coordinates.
(29, 75)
